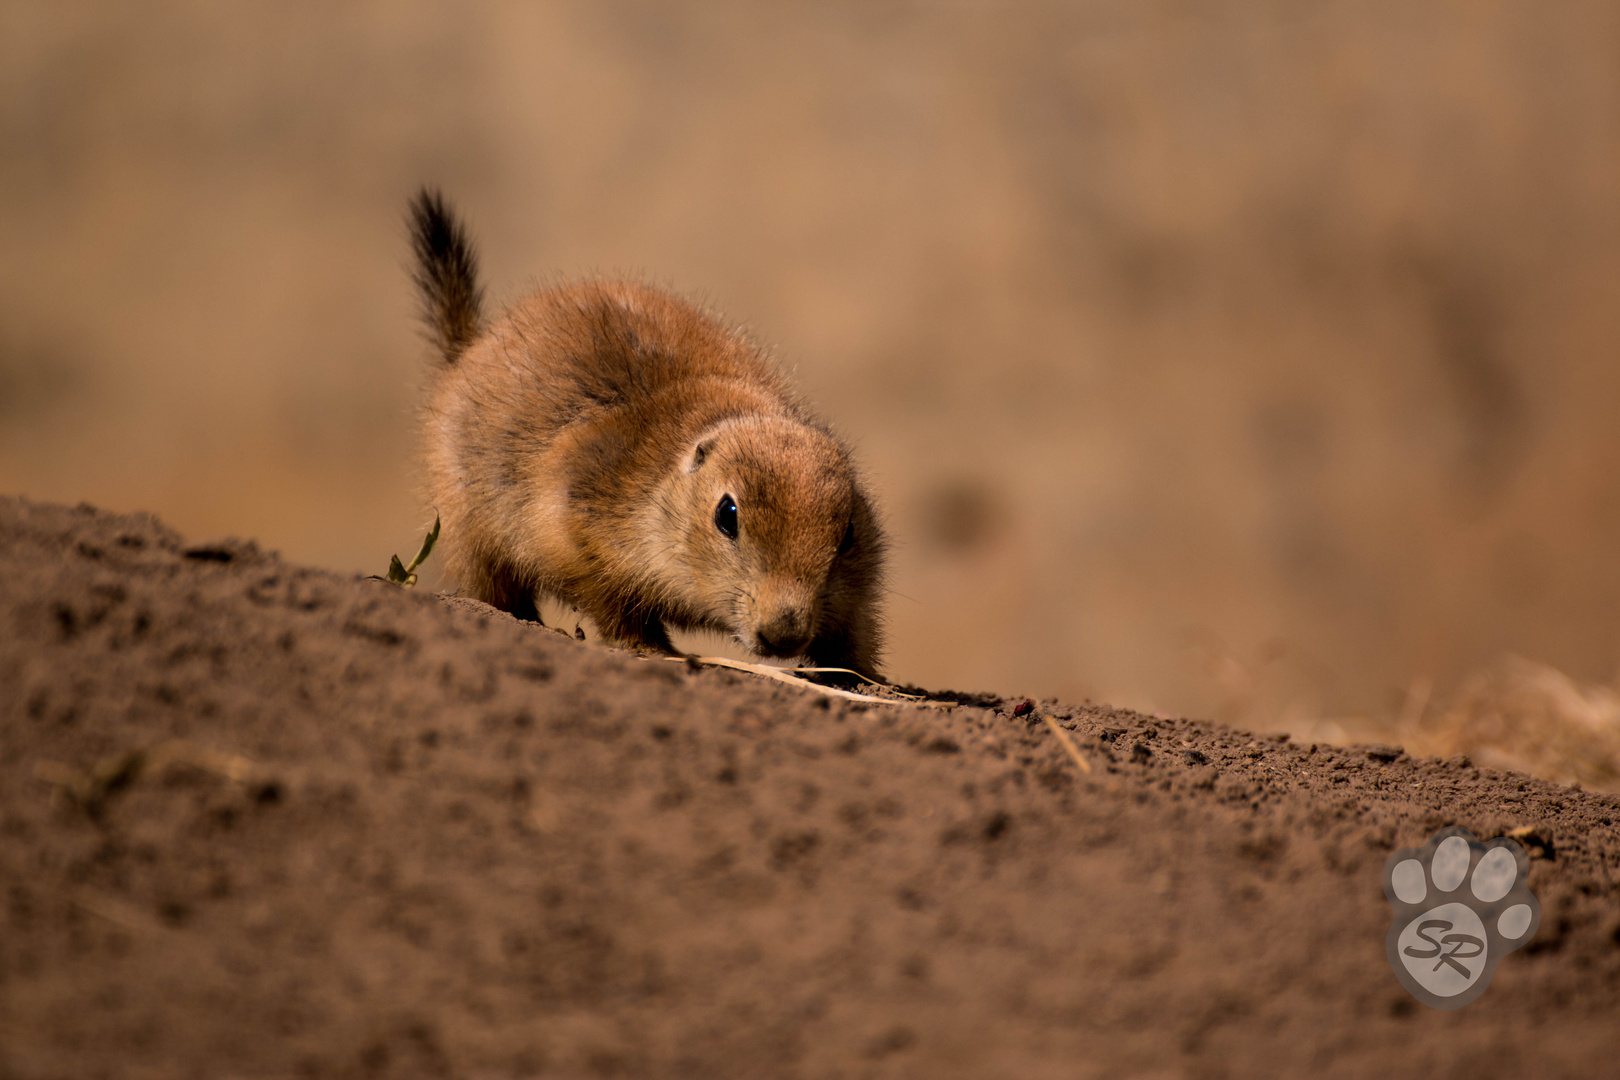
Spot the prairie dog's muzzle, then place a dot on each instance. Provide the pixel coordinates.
(783, 619)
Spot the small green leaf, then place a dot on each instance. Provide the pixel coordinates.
(396, 571)
(427, 546)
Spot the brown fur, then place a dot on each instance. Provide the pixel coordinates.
(578, 448)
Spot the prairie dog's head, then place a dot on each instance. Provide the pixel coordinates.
(776, 536)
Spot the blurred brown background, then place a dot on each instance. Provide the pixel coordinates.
(1255, 361)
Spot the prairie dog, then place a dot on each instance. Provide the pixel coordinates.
(624, 451)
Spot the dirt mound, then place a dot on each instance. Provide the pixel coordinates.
(262, 820)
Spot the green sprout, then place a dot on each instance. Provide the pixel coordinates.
(405, 576)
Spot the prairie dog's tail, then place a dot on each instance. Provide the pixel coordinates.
(446, 274)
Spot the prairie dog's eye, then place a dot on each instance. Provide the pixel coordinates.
(849, 538)
(725, 517)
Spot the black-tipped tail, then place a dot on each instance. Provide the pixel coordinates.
(446, 274)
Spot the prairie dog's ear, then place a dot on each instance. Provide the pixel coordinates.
(703, 445)
(700, 451)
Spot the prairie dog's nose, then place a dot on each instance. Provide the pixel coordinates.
(783, 616)
(785, 633)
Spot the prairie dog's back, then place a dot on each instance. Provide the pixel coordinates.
(622, 374)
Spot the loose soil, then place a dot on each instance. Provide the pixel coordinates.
(262, 820)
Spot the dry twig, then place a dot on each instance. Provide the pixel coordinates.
(781, 675)
(1068, 743)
